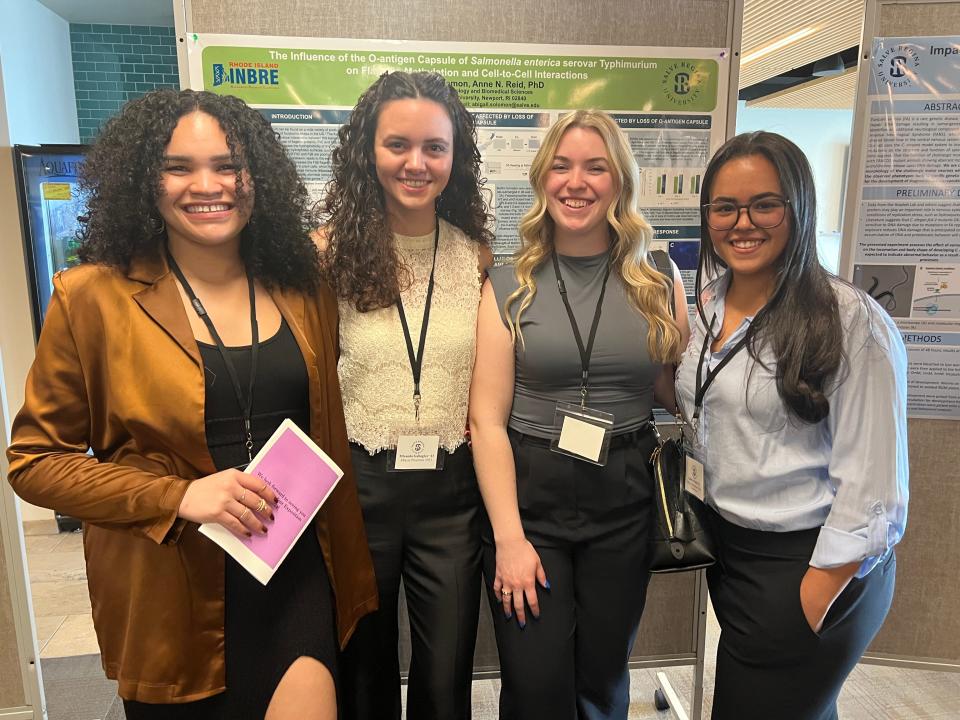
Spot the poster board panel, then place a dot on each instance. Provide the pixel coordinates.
(923, 622)
(672, 618)
(665, 633)
(687, 23)
(921, 629)
(669, 102)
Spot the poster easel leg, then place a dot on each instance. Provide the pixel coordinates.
(665, 696)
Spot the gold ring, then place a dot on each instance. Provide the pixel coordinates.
(243, 514)
(243, 495)
(261, 506)
(263, 488)
(507, 593)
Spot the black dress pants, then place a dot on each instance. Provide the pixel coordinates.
(770, 664)
(423, 526)
(590, 526)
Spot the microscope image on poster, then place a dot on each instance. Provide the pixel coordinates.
(889, 285)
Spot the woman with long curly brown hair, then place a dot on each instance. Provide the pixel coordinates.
(193, 327)
(406, 247)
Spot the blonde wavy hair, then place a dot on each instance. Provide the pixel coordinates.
(647, 289)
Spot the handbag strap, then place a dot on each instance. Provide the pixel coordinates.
(661, 261)
(663, 507)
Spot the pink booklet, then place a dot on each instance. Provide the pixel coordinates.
(302, 476)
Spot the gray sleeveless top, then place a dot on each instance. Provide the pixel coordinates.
(548, 366)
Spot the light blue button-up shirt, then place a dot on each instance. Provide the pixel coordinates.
(767, 470)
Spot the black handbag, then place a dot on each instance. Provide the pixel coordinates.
(679, 537)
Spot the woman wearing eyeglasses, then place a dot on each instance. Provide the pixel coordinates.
(794, 384)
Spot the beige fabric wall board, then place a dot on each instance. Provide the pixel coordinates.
(919, 18)
(923, 628)
(682, 23)
(664, 635)
(923, 623)
(672, 629)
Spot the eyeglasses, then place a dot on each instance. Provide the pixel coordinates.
(764, 213)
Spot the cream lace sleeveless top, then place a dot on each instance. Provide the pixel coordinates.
(375, 375)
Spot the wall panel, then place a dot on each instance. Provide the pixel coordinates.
(682, 23)
(670, 624)
(923, 625)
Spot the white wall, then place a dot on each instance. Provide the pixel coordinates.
(41, 105)
(824, 136)
(37, 105)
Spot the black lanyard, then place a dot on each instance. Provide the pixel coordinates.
(585, 352)
(245, 407)
(416, 361)
(702, 386)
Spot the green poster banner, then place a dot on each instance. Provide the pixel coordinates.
(316, 77)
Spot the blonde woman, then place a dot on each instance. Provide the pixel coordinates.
(575, 342)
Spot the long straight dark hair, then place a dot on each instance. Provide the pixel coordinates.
(801, 320)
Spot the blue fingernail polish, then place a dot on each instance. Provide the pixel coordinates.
(546, 584)
(509, 615)
(522, 625)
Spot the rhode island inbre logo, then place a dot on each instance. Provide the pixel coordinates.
(897, 66)
(246, 73)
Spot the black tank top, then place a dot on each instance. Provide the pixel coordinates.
(281, 390)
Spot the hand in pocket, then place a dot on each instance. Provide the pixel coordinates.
(812, 604)
(819, 588)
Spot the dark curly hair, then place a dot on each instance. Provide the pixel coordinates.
(122, 178)
(361, 262)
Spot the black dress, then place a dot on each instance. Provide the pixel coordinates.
(266, 628)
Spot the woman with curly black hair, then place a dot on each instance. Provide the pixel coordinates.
(406, 246)
(195, 324)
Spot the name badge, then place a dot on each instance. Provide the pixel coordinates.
(417, 452)
(693, 477)
(582, 433)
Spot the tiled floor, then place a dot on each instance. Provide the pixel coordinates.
(65, 631)
(58, 584)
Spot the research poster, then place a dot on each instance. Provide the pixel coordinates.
(671, 103)
(907, 244)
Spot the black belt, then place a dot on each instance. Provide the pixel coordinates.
(622, 440)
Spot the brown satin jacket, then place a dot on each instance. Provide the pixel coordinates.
(118, 370)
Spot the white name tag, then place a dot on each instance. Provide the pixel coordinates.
(581, 438)
(417, 452)
(693, 478)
